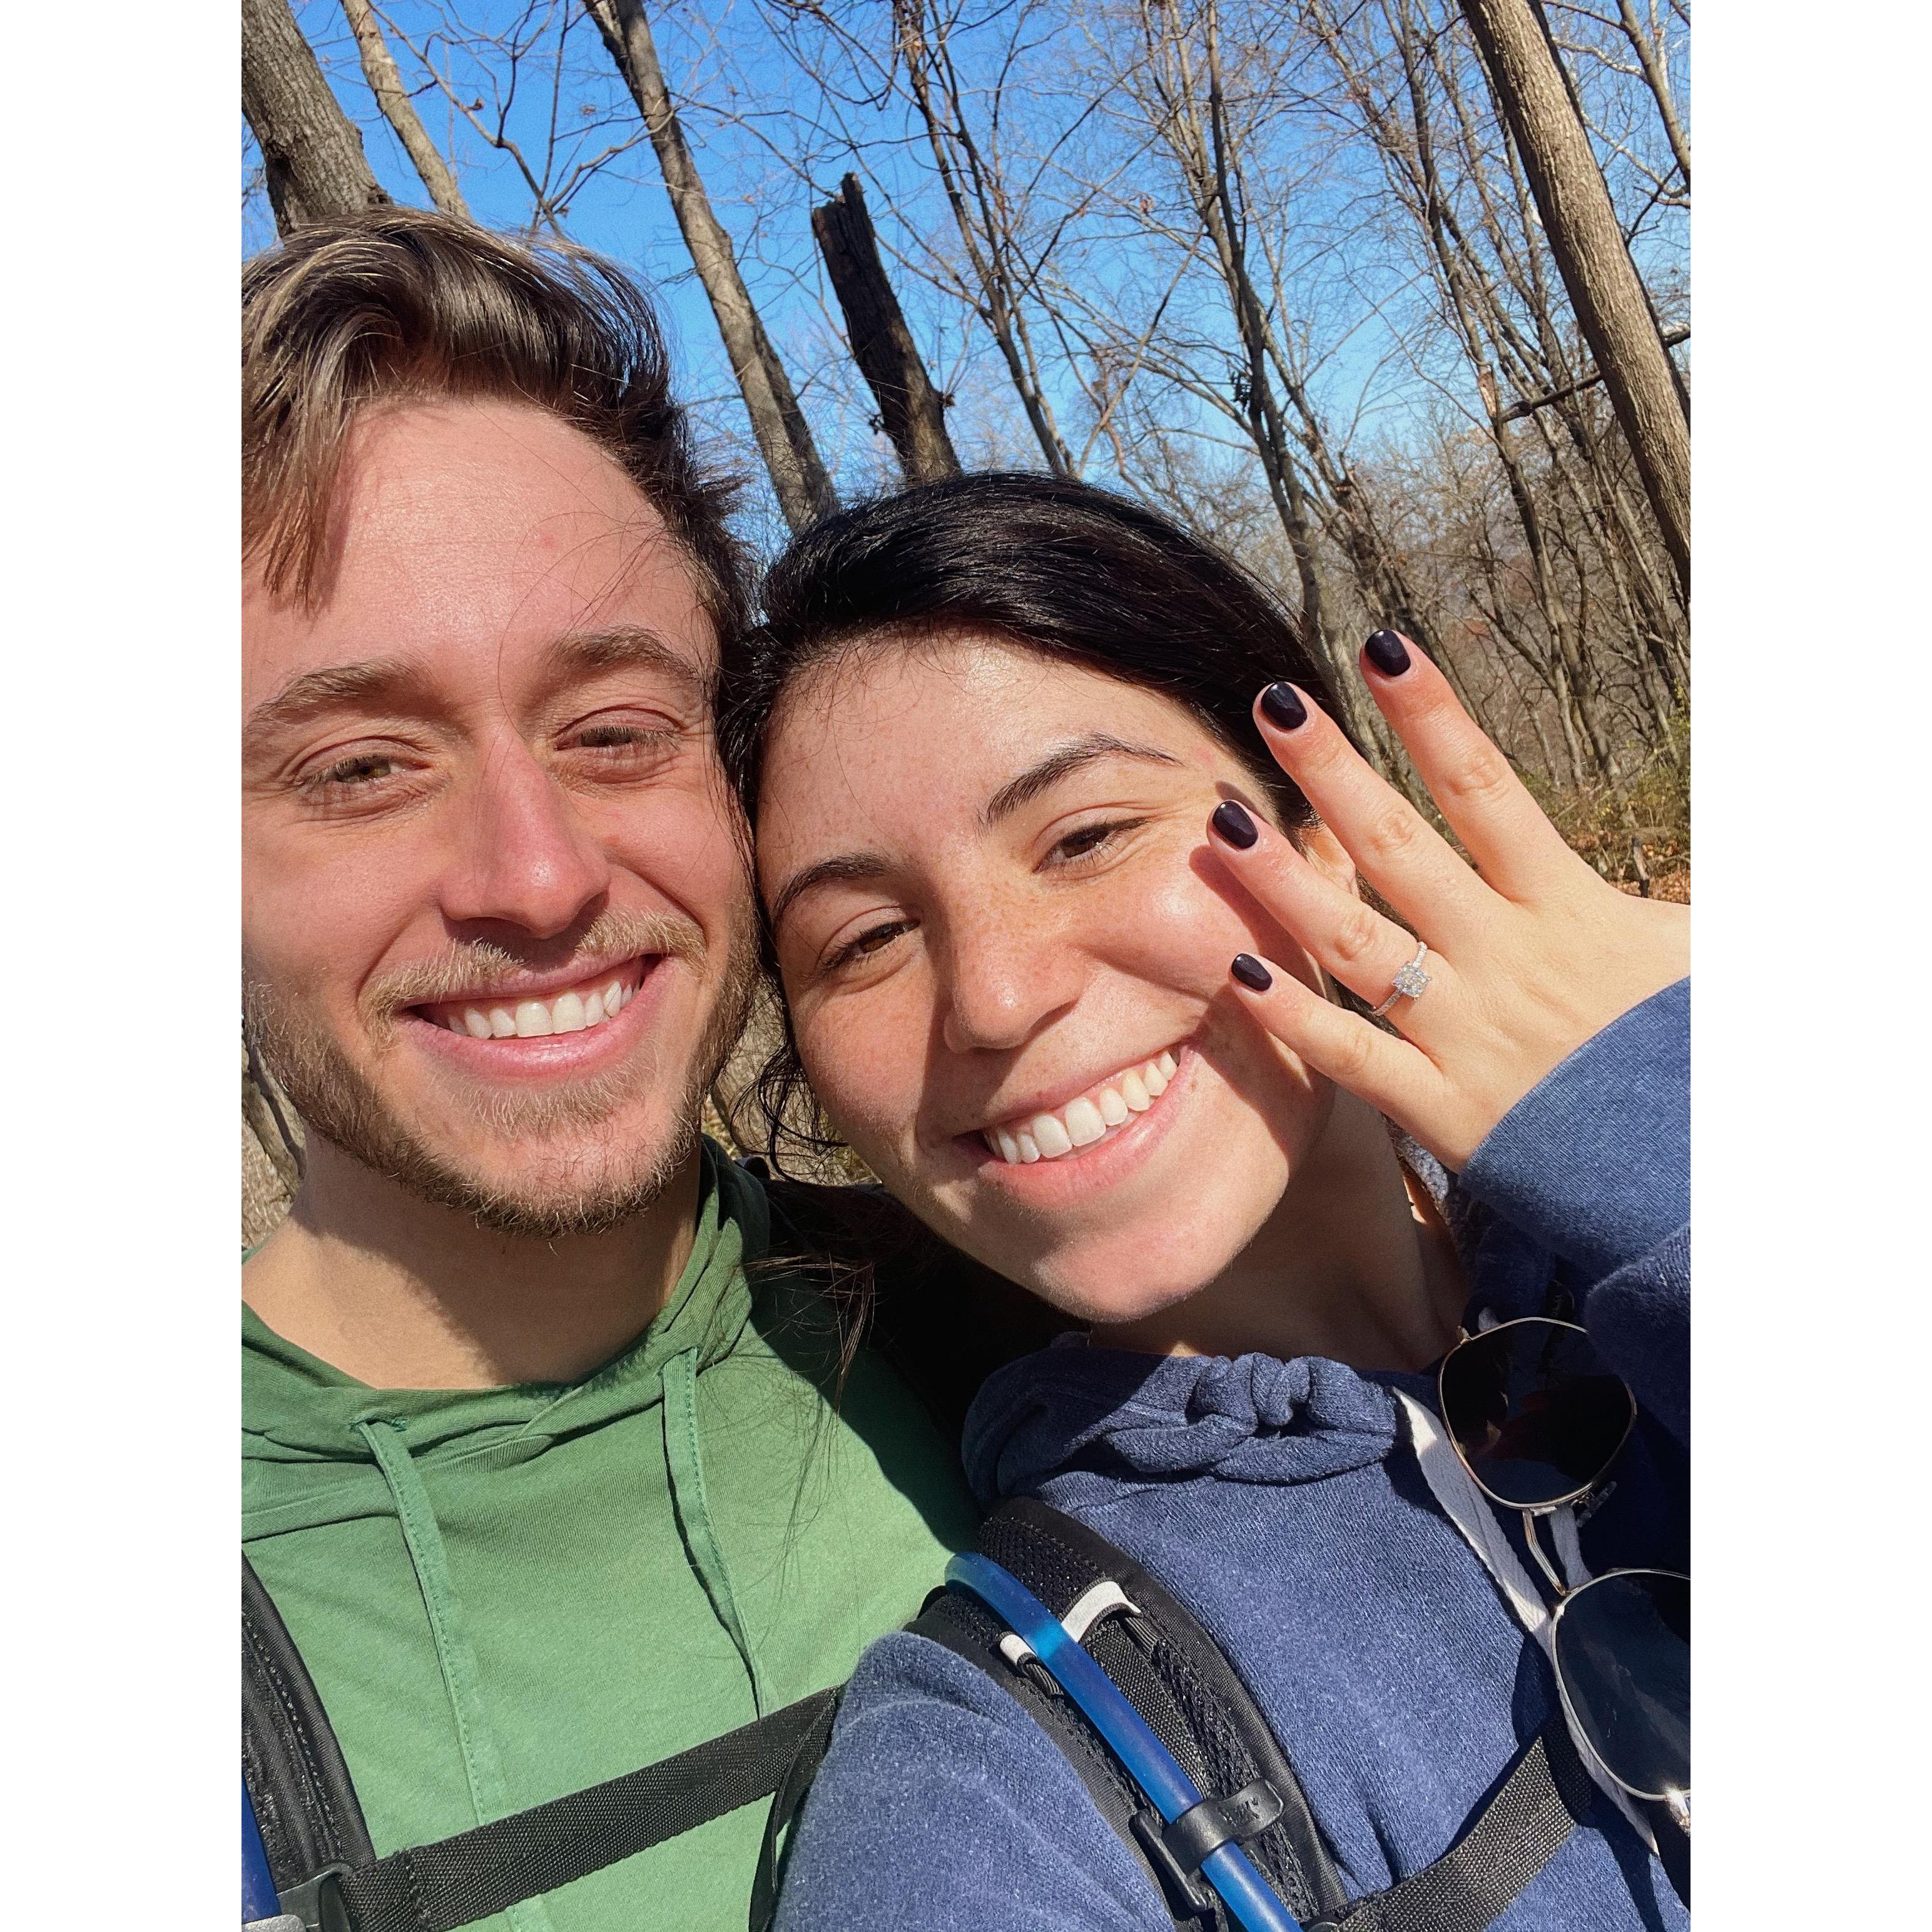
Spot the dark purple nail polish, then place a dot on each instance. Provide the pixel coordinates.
(1252, 973)
(1282, 707)
(1388, 653)
(1231, 822)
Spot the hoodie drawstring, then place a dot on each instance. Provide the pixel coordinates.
(489, 1796)
(682, 1458)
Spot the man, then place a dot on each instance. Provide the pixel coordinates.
(544, 1483)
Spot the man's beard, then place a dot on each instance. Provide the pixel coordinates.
(340, 1102)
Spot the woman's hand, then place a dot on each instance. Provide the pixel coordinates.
(1528, 956)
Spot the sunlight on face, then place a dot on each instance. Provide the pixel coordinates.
(495, 912)
(1005, 943)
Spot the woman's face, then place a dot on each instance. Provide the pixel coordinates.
(1005, 943)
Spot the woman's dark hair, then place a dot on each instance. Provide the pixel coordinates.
(1054, 566)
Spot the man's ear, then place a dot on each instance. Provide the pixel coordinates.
(1327, 855)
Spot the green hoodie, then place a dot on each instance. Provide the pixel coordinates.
(506, 1594)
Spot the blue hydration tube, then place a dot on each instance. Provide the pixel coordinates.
(258, 1887)
(1245, 1892)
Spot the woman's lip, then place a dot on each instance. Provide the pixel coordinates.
(1063, 1097)
(548, 1056)
(1100, 1164)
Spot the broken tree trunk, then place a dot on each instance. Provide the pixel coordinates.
(311, 152)
(911, 411)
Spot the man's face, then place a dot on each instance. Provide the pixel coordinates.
(495, 922)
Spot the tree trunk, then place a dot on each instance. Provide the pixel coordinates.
(1613, 308)
(311, 153)
(386, 82)
(805, 491)
(911, 411)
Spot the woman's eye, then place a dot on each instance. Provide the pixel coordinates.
(1090, 840)
(874, 939)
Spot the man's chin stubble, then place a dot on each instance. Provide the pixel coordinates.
(337, 1101)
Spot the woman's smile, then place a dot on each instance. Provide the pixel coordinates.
(1007, 969)
(1053, 1132)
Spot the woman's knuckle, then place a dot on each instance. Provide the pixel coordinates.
(1481, 778)
(1390, 833)
(1356, 933)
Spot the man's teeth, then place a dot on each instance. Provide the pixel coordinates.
(1082, 1122)
(535, 1019)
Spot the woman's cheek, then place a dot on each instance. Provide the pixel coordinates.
(855, 1057)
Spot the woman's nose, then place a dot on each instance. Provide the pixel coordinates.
(526, 860)
(1003, 978)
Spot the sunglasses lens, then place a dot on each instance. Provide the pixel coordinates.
(1623, 1651)
(1536, 1414)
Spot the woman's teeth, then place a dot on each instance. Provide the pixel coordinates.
(586, 1006)
(1082, 1122)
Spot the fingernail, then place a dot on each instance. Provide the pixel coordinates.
(1231, 822)
(1252, 973)
(1388, 653)
(1282, 705)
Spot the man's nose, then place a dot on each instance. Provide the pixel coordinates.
(1003, 977)
(525, 859)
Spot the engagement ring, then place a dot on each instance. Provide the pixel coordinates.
(1410, 983)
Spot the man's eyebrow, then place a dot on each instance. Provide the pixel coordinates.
(627, 647)
(316, 692)
(847, 865)
(390, 681)
(1060, 761)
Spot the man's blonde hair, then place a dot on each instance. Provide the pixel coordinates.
(400, 305)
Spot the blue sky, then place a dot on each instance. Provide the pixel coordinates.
(769, 146)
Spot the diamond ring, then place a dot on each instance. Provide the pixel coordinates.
(1410, 983)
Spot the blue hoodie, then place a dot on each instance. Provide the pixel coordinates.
(1282, 1502)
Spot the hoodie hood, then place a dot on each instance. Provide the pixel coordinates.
(299, 1412)
(1073, 1411)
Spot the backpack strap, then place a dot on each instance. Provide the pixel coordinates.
(1180, 1682)
(1186, 1691)
(1514, 1836)
(326, 1870)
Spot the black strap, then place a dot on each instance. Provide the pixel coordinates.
(304, 1799)
(455, 1881)
(326, 1870)
(1516, 1834)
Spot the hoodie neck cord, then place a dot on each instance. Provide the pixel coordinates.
(489, 1796)
(682, 1458)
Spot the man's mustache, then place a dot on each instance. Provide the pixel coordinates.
(482, 968)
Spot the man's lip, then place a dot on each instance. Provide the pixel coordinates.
(542, 985)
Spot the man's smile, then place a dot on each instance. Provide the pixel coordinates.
(532, 1010)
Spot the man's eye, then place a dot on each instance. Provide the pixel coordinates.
(620, 741)
(347, 774)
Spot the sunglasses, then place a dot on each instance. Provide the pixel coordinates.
(1537, 1419)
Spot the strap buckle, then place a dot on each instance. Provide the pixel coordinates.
(316, 1904)
(1178, 1851)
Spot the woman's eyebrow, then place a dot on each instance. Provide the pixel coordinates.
(848, 865)
(1058, 763)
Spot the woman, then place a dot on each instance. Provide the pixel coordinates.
(1056, 901)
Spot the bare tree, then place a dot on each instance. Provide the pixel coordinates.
(1613, 307)
(311, 153)
(983, 214)
(912, 412)
(798, 475)
(386, 83)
